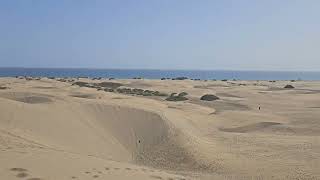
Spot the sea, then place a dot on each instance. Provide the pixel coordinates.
(158, 74)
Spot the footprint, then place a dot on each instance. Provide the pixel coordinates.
(169, 178)
(128, 169)
(73, 177)
(116, 168)
(18, 169)
(107, 169)
(87, 172)
(99, 172)
(34, 179)
(95, 176)
(22, 175)
(155, 177)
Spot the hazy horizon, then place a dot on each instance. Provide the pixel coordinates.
(162, 35)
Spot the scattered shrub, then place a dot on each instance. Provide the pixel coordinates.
(174, 97)
(288, 86)
(109, 90)
(180, 78)
(82, 84)
(209, 97)
(183, 94)
(112, 85)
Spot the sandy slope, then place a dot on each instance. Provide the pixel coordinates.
(52, 130)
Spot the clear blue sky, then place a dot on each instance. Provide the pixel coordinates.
(161, 34)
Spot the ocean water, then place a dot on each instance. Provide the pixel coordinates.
(157, 74)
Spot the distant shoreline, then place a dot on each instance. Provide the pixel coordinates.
(160, 69)
(158, 74)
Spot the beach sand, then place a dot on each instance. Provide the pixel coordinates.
(52, 130)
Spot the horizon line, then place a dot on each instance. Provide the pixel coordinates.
(156, 69)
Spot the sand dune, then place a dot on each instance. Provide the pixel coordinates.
(53, 130)
(251, 128)
(31, 98)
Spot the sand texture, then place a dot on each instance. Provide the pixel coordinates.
(57, 129)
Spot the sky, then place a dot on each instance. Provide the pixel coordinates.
(161, 34)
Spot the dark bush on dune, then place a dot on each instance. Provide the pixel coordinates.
(174, 97)
(147, 93)
(62, 80)
(125, 90)
(288, 86)
(108, 90)
(112, 85)
(139, 92)
(163, 78)
(157, 93)
(180, 78)
(224, 80)
(182, 94)
(2, 87)
(82, 84)
(209, 97)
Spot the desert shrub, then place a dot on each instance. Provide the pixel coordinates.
(112, 85)
(209, 97)
(162, 94)
(174, 97)
(180, 78)
(109, 90)
(82, 84)
(183, 94)
(124, 90)
(288, 86)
